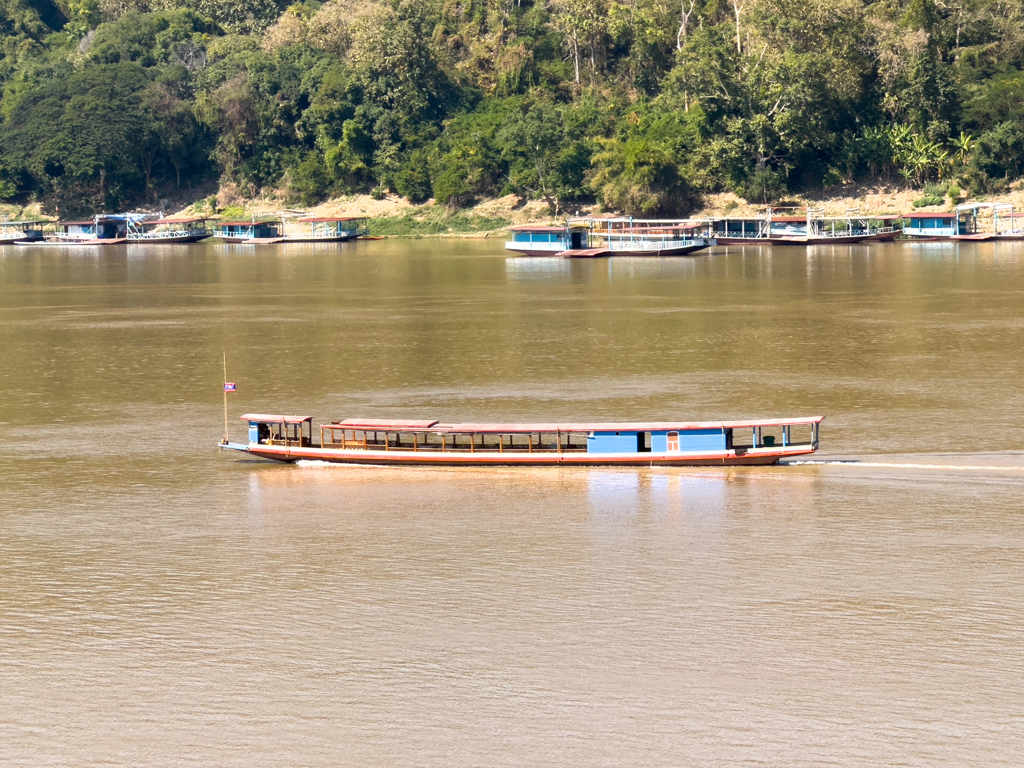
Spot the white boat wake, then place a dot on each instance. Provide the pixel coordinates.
(899, 465)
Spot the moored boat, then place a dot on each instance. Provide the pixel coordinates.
(626, 236)
(961, 224)
(252, 232)
(20, 231)
(1007, 224)
(167, 230)
(546, 240)
(810, 228)
(591, 237)
(102, 229)
(431, 443)
(322, 229)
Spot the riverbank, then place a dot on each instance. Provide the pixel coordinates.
(393, 216)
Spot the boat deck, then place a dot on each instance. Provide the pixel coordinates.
(584, 253)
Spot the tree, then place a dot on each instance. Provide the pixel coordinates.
(533, 139)
(82, 133)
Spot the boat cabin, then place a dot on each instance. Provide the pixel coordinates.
(330, 227)
(624, 233)
(21, 230)
(102, 227)
(246, 230)
(191, 224)
(537, 240)
(266, 429)
(737, 228)
(941, 224)
(696, 438)
(1007, 222)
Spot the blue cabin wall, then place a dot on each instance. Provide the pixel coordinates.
(702, 440)
(938, 226)
(696, 440)
(254, 432)
(690, 440)
(612, 442)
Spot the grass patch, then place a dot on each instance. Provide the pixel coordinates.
(435, 222)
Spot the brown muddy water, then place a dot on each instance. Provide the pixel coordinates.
(163, 604)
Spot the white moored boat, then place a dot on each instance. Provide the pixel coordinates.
(611, 236)
(169, 230)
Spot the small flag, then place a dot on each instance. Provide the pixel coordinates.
(229, 386)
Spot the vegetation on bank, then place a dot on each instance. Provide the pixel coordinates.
(436, 221)
(643, 106)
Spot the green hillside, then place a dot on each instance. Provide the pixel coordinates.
(644, 105)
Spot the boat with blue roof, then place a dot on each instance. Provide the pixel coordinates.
(433, 443)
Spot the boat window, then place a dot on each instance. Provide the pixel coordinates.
(673, 441)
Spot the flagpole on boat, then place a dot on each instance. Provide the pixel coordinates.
(225, 388)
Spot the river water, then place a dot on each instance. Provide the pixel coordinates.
(163, 604)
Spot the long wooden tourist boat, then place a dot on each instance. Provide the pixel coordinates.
(961, 224)
(431, 443)
(169, 230)
(1007, 224)
(626, 236)
(322, 229)
(592, 237)
(248, 232)
(102, 229)
(20, 231)
(809, 228)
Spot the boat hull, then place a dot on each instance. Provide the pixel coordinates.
(682, 250)
(251, 240)
(167, 240)
(979, 237)
(74, 243)
(783, 240)
(733, 457)
(333, 239)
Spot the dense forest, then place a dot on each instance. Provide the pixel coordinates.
(642, 104)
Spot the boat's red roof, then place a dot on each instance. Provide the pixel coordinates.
(789, 218)
(654, 426)
(322, 219)
(655, 228)
(173, 220)
(930, 215)
(383, 424)
(533, 228)
(272, 419)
